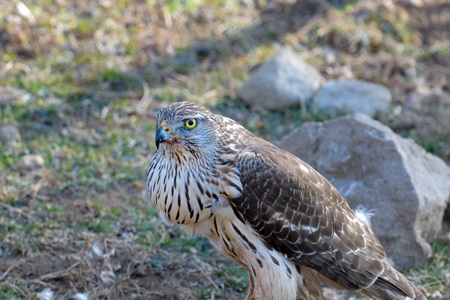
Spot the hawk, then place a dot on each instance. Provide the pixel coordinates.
(265, 209)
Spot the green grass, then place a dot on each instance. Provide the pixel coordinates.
(434, 275)
(13, 293)
(235, 277)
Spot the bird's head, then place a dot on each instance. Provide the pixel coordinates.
(186, 126)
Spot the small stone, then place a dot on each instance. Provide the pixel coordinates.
(140, 270)
(79, 296)
(97, 248)
(413, 101)
(11, 96)
(30, 163)
(9, 133)
(330, 55)
(352, 96)
(25, 12)
(281, 82)
(82, 136)
(46, 294)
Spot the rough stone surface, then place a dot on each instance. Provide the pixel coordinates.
(30, 163)
(9, 133)
(10, 96)
(352, 95)
(406, 187)
(283, 81)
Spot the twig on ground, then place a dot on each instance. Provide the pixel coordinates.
(8, 270)
(58, 274)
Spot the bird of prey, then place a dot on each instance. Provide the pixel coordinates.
(265, 209)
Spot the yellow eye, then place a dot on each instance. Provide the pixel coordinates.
(190, 123)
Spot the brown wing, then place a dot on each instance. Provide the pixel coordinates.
(299, 213)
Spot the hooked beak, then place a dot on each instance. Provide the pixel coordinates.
(161, 136)
(164, 134)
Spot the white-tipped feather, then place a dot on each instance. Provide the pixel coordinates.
(364, 214)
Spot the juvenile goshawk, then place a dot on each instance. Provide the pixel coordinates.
(265, 209)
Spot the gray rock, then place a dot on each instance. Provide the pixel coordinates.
(406, 187)
(10, 96)
(352, 96)
(29, 163)
(283, 81)
(9, 133)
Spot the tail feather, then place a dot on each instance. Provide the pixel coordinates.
(418, 293)
(392, 285)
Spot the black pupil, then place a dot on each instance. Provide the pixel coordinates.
(190, 122)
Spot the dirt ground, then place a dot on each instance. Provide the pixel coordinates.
(107, 264)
